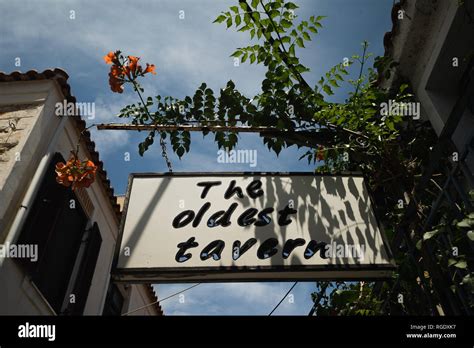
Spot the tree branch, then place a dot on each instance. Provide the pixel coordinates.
(290, 66)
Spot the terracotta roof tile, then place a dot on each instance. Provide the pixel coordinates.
(155, 299)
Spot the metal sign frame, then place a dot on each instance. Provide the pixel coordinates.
(213, 274)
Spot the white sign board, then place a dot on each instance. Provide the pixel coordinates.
(253, 226)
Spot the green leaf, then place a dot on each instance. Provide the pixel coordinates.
(306, 36)
(244, 28)
(285, 23)
(328, 90)
(419, 244)
(470, 235)
(252, 58)
(251, 108)
(291, 50)
(468, 280)
(238, 20)
(333, 83)
(276, 4)
(149, 141)
(235, 9)
(461, 264)
(290, 6)
(247, 19)
(255, 3)
(342, 297)
(299, 42)
(430, 234)
(229, 22)
(313, 30)
(274, 13)
(301, 69)
(237, 53)
(142, 148)
(219, 19)
(403, 87)
(180, 151)
(465, 223)
(390, 125)
(256, 16)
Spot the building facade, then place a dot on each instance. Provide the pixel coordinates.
(432, 42)
(57, 243)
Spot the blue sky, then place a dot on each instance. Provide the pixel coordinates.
(186, 53)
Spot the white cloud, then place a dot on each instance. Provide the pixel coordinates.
(186, 52)
(105, 111)
(236, 299)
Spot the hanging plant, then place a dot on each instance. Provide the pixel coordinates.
(74, 172)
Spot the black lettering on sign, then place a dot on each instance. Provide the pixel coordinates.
(290, 245)
(180, 255)
(211, 222)
(254, 189)
(207, 186)
(283, 220)
(247, 217)
(238, 251)
(263, 218)
(313, 247)
(225, 220)
(200, 213)
(267, 249)
(178, 221)
(213, 249)
(222, 218)
(232, 189)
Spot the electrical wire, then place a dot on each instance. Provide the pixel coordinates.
(180, 292)
(151, 304)
(279, 303)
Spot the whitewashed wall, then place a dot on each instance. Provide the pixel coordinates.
(32, 103)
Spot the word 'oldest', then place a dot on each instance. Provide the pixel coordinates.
(223, 217)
